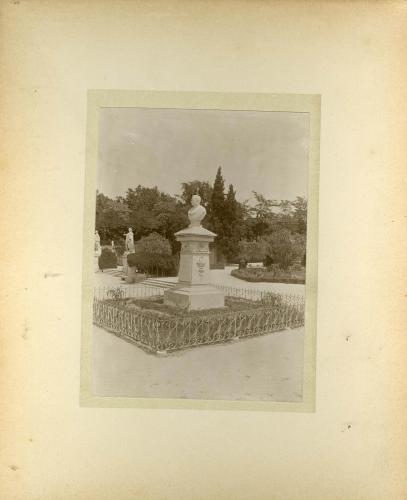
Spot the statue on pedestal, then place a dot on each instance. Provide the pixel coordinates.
(193, 290)
(98, 251)
(130, 241)
(97, 244)
(129, 248)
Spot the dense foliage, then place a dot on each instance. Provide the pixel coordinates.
(153, 255)
(279, 247)
(107, 259)
(272, 274)
(203, 188)
(268, 231)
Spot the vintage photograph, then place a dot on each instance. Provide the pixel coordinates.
(200, 254)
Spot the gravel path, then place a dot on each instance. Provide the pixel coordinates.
(221, 276)
(268, 368)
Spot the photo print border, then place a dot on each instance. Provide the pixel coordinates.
(299, 103)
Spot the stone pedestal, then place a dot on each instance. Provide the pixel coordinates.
(131, 274)
(98, 253)
(193, 290)
(125, 265)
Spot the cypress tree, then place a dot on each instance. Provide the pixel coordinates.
(230, 207)
(217, 204)
(232, 225)
(218, 194)
(216, 209)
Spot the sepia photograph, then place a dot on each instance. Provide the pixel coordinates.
(200, 254)
(204, 243)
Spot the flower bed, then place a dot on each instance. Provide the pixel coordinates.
(159, 328)
(155, 306)
(274, 275)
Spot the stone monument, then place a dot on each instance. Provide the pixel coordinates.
(129, 248)
(193, 290)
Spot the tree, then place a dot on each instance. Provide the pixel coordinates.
(299, 242)
(230, 205)
(144, 197)
(111, 218)
(146, 210)
(218, 195)
(262, 215)
(280, 248)
(252, 251)
(171, 217)
(216, 210)
(141, 202)
(263, 219)
(286, 207)
(263, 208)
(203, 188)
(300, 214)
(232, 225)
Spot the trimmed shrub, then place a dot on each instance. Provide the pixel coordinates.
(274, 274)
(153, 255)
(119, 250)
(242, 264)
(107, 259)
(132, 260)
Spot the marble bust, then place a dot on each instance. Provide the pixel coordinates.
(197, 213)
(193, 290)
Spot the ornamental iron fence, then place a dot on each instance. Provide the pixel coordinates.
(262, 296)
(137, 291)
(165, 332)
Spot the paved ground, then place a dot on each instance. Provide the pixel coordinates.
(221, 276)
(262, 368)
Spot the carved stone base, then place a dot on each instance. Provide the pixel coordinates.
(194, 297)
(193, 290)
(125, 265)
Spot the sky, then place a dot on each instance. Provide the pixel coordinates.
(259, 151)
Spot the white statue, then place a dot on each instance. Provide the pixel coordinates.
(97, 242)
(130, 241)
(197, 213)
(98, 251)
